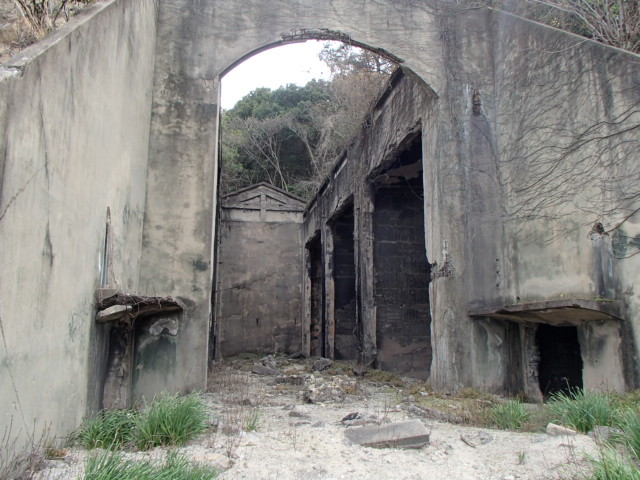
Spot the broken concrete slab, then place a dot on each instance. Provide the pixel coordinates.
(558, 431)
(115, 312)
(409, 434)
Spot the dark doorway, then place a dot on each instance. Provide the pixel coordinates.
(402, 272)
(344, 279)
(318, 331)
(560, 366)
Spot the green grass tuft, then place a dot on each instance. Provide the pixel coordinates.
(110, 429)
(582, 410)
(253, 421)
(111, 465)
(171, 420)
(611, 466)
(510, 415)
(630, 426)
(179, 468)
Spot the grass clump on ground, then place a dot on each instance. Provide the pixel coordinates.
(630, 427)
(110, 429)
(582, 410)
(171, 420)
(613, 466)
(511, 415)
(168, 420)
(110, 465)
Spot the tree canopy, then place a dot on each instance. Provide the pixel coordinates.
(290, 136)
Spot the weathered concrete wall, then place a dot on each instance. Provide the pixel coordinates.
(259, 273)
(402, 277)
(75, 112)
(567, 123)
(380, 275)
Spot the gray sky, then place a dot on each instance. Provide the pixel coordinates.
(294, 63)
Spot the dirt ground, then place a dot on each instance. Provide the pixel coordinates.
(264, 427)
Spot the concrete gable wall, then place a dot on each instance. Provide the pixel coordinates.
(258, 296)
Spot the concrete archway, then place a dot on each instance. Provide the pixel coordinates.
(197, 42)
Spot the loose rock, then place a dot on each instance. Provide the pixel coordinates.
(557, 430)
(262, 370)
(321, 364)
(473, 439)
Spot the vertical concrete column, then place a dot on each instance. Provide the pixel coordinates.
(329, 288)
(366, 276)
(177, 246)
(306, 302)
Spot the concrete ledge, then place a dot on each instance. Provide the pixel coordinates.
(572, 311)
(114, 306)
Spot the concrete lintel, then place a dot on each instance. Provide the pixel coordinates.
(116, 306)
(572, 311)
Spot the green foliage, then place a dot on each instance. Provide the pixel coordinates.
(510, 415)
(111, 465)
(168, 420)
(253, 421)
(630, 426)
(291, 136)
(582, 410)
(179, 468)
(110, 429)
(264, 103)
(171, 420)
(612, 466)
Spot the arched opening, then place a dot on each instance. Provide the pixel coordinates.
(328, 320)
(184, 138)
(333, 320)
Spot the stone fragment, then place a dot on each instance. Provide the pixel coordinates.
(603, 434)
(434, 414)
(322, 364)
(319, 424)
(102, 293)
(410, 434)
(299, 412)
(325, 392)
(473, 439)
(290, 379)
(113, 313)
(358, 419)
(262, 370)
(269, 361)
(558, 431)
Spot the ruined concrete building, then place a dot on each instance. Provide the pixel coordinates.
(480, 229)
